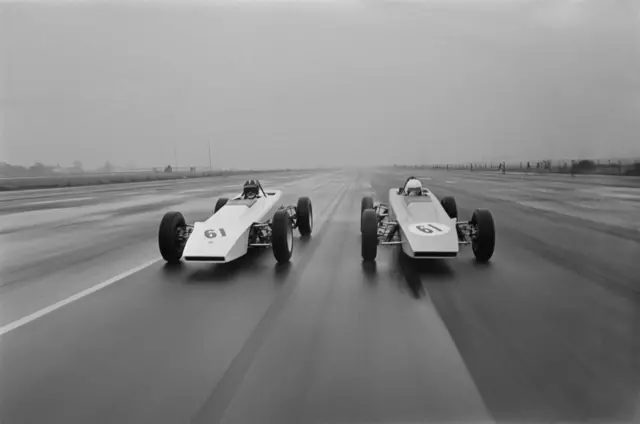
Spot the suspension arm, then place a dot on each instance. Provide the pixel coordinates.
(467, 232)
(293, 214)
(260, 235)
(185, 233)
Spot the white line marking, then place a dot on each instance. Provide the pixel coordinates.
(134, 193)
(47, 310)
(318, 186)
(197, 190)
(211, 189)
(44, 311)
(48, 202)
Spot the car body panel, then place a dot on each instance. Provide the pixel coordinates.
(426, 229)
(224, 237)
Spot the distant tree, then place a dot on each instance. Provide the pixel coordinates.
(77, 165)
(585, 165)
(17, 171)
(635, 170)
(38, 169)
(9, 170)
(107, 167)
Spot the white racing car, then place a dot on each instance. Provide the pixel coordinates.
(425, 227)
(253, 218)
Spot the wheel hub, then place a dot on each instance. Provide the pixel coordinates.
(290, 238)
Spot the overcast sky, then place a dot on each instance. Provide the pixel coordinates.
(298, 83)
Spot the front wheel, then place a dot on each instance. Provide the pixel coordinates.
(365, 203)
(449, 205)
(282, 236)
(304, 214)
(170, 237)
(484, 241)
(369, 235)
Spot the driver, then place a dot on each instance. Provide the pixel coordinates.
(251, 189)
(410, 178)
(413, 187)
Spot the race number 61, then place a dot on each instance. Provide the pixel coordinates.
(214, 233)
(428, 229)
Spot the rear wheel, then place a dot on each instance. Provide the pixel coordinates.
(169, 237)
(282, 236)
(366, 203)
(220, 203)
(484, 241)
(304, 213)
(449, 205)
(369, 235)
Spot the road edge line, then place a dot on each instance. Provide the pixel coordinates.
(47, 310)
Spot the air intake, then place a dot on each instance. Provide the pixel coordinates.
(435, 254)
(204, 258)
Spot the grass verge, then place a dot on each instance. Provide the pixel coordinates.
(31, 183)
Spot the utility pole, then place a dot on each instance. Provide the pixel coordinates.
(210, 168)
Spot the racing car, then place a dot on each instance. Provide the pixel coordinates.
(252, 219)
(423, 226)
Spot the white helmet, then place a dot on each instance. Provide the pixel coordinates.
(413, 187)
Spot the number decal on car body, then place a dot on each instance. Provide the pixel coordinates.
(213, 234)
(429, 229)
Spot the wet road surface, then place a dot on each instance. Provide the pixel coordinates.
(548, 331)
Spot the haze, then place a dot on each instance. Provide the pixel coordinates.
(294, 84)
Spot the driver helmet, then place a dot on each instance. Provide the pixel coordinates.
(251, 189)
(413, 187)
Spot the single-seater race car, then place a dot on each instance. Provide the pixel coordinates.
(423, 226)
(254, 218)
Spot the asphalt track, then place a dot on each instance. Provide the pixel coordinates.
(549, 331)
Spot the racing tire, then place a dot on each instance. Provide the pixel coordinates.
(369, 235)
(220, 203)
(366, 203)
(304, 213)
(171, 247)
(282, 236)
(485, 241)
(449, 205)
